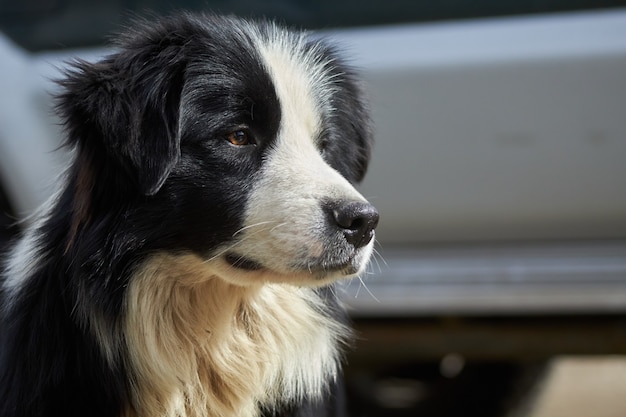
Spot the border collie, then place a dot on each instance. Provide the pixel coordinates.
(185, 267)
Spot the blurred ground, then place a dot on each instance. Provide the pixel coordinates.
(582, 387)
(566, 386)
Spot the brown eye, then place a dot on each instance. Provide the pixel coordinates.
(239, 138)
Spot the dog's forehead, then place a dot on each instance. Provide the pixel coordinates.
(293, 90)
(299, 74)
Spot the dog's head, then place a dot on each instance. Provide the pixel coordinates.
(238, 141)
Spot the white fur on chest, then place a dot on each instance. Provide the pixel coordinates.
(201, 347)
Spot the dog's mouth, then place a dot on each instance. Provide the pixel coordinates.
(246, 264)
(241, 262)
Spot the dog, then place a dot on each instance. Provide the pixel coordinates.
(186, 265)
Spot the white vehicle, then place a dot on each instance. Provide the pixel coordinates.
(499, 171)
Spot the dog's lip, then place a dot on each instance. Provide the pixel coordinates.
(241, 262)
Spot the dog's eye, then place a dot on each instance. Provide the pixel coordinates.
(239, 138)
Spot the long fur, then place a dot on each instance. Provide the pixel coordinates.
(177, 273)
(209, 328)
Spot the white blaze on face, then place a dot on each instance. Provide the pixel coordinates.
(286, 229)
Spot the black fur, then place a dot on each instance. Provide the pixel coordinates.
(150, 172)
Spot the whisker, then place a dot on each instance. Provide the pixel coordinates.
(368, 290)
(237, 262)
(278, 225)
(358, 289)
(377, 258)
(345, 285)
(333, 291)
(220, 253)
(251, 226)
(377, 252)
(247, 237)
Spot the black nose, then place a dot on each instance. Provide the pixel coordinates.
(357, 220)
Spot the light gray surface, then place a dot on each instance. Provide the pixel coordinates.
(498, 129)
(501, 279)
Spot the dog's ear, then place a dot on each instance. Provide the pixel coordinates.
(362, 128)
(126, 107)
(354, 125)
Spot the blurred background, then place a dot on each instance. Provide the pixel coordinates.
(499, 286)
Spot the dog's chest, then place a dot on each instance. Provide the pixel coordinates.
(214, 349)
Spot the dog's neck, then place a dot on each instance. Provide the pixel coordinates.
(199, 346)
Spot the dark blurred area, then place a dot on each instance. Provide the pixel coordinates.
(54, 24)
(8, 225)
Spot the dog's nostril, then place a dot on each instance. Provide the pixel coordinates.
(358, 221)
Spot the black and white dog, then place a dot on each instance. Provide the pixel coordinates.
(184, 268)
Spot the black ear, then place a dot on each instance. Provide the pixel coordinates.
(351, 130)
(358, 113)
(127, 107)
(353, 125)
